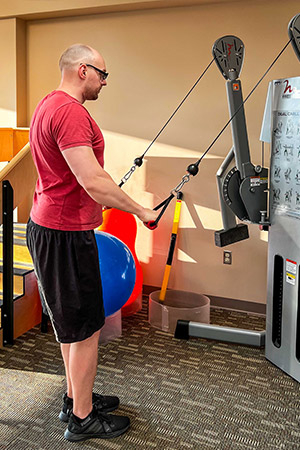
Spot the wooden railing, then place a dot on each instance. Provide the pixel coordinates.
(17, 179)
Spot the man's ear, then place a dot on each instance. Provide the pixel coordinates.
(82, 71)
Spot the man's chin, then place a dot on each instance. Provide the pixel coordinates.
(93, 97)
(97, 95)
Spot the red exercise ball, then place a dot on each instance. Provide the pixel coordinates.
(123, 226)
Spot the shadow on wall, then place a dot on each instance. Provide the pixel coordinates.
(199, 215)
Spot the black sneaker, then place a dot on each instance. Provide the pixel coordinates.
(104, 403)
(96, 425)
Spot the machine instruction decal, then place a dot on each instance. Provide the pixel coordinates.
(281, 128)
(291, 271)
(285, 163)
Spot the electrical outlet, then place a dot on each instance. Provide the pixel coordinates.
(227, 257)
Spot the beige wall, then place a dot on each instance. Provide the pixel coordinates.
(153, 58)
(8, 103)
(13, 82)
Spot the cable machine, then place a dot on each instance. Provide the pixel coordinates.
(282, 127)
(243, 190)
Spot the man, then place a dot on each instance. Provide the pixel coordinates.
(67, 148)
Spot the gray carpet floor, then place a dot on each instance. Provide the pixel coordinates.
(195, 394)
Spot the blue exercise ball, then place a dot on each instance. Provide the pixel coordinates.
(117, 270)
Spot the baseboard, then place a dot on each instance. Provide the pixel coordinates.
(237, 305)
(224, 303)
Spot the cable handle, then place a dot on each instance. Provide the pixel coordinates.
(152, 224)
(192, 169)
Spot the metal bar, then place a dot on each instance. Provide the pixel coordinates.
(8, 306)
(227, 334)
(238, 125)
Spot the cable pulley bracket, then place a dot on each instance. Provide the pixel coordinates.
(185, 179)
(192, 169)
(294, 34)
(137, 163)
(127, 175)
(228, 53)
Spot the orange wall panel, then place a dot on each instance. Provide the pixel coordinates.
(6, 144)
(12, 140)
(20, 139)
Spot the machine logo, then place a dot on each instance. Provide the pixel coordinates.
(290, 91)
(288, 87)
(229, 48)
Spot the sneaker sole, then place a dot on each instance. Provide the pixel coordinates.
(76, 437)
(64, 417)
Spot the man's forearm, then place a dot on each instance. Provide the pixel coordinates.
(106, 192)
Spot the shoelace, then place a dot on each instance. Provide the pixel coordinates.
(105, 417)
(105, 420)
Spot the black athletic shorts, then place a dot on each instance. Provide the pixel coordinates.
(67, 269)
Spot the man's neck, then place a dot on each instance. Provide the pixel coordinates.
(70, 90)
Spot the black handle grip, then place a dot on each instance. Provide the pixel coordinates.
(151, 225)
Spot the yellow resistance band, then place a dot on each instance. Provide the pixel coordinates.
(162, 294)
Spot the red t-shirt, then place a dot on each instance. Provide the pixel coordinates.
(60, 202)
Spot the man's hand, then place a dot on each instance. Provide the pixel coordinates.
(148, 215)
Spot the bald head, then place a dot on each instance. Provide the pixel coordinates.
(82, 69)
(76, 54)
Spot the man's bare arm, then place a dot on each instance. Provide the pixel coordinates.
(99, 184)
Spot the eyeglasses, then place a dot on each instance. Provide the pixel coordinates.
(103, 75)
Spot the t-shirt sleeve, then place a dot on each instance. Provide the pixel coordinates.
(71, 126)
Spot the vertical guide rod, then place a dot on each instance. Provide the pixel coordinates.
(8, 306)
